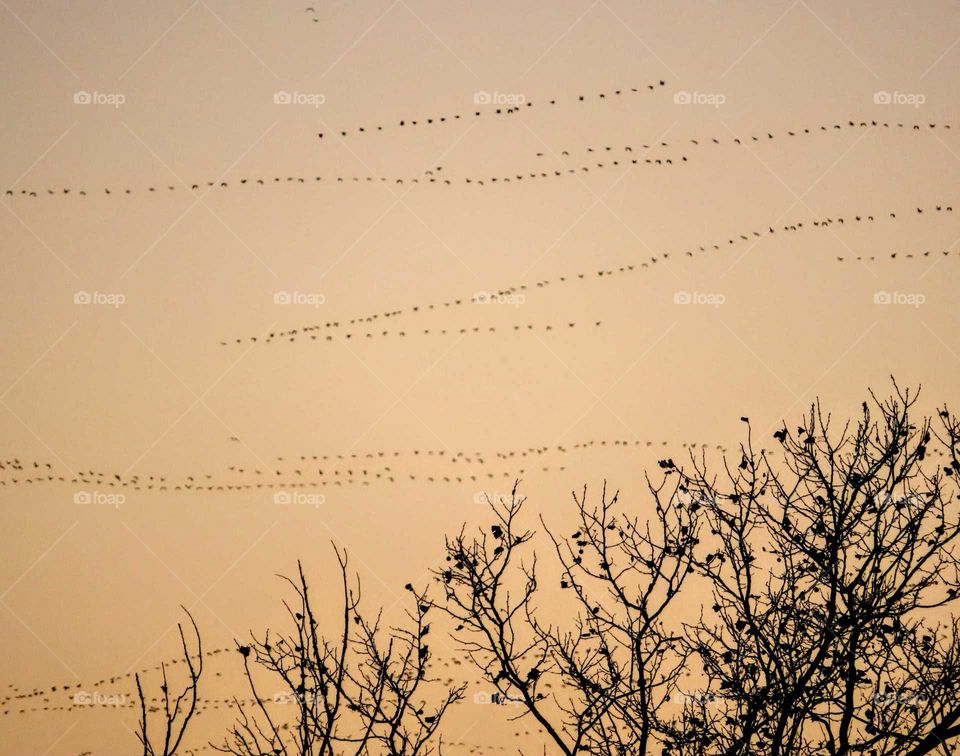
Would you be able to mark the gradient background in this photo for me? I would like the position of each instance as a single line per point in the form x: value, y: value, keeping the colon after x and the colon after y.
x: 89, y: 591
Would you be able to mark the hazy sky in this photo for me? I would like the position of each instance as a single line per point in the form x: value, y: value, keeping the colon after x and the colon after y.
x: 116, y: 305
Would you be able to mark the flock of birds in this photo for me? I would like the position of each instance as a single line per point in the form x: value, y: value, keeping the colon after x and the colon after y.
x: 321, y: 470
x: 429, y: 177
x: 312, y: 331
x: 20, y: 701
x: 494, y: 111
x: 767, y: 136
x: 433, y: 176
x: 338, y: 470
x: 118, y: 691
x: 347, y: 336
x: 333, y: 470
x: 901, y: 256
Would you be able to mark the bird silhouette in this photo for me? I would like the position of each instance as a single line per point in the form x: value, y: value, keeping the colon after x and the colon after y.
x: 419, y: 308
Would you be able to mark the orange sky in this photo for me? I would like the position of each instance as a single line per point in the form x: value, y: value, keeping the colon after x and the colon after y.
x: 137, y: 382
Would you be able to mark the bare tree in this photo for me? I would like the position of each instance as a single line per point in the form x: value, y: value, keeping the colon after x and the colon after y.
x: 177, y: 711
x: 594, y: 683
x: 360, y: 693
x: 625, y: 574
x: 807, y: 594
x: 832, y: 567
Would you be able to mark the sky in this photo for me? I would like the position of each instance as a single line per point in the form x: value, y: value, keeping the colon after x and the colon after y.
x: 559, y: 311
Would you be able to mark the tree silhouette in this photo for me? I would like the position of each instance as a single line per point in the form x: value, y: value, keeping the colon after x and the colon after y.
x: 825, y: 572
x: 613, y: 666
x: 359, y: 693
x: 177, y: 711
x: 830, y: 569
x: 795, y: 601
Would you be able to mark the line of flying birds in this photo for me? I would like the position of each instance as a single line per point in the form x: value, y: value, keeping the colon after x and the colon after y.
x: 605, y: 273
x: 319, y: 470
x: 492, y: 110
x: 434, y: 177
